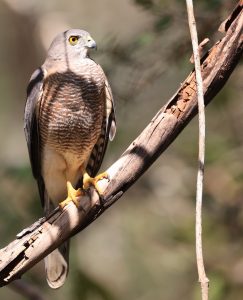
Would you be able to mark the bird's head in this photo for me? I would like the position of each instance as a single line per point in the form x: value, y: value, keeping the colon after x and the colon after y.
x: 79, y: 41
x: 71, y: 45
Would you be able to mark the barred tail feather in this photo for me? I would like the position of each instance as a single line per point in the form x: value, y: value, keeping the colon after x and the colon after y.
x: 57, y: 262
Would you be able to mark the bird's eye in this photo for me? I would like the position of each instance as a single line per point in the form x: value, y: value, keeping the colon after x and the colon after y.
x: 73, y: 40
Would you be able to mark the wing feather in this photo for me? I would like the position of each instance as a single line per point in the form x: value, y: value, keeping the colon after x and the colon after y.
x: 107, y: 132
x: 34, y: 93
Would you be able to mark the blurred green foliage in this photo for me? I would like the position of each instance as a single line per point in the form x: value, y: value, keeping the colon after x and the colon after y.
x: 143, y: 247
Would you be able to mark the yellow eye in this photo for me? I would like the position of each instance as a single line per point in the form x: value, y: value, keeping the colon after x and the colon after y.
x: 73, y: 40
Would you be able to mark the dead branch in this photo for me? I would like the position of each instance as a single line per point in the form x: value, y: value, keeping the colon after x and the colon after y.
x: 38, y: 240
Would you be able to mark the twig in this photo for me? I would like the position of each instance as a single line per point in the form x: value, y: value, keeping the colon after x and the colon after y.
x: 201, y: 152
x: 42, y: 237
x: 27, y: 290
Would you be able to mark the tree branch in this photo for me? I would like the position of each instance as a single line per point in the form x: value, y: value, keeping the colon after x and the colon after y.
x: 42, y: 237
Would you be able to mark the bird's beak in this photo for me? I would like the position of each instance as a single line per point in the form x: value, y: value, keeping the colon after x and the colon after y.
x: 91, y: 44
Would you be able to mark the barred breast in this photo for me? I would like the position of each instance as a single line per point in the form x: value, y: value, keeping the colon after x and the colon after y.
x: 71, y: 111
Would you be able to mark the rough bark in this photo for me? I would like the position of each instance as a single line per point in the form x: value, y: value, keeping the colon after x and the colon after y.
x: 38, y: 240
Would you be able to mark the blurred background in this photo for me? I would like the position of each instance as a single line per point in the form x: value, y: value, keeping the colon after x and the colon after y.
x: 143, y: 246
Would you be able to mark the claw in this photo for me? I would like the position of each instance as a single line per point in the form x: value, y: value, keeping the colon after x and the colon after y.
x: 89, y: 181
x: 72, y: 196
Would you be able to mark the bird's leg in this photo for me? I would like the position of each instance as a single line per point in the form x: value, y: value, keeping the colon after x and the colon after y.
x: 72, y: 196
x: 88, y: 181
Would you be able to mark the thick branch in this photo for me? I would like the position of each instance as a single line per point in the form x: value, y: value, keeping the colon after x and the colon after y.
x: 38, y: 240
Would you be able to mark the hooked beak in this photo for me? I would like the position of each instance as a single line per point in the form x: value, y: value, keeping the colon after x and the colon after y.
x: 91, y: 44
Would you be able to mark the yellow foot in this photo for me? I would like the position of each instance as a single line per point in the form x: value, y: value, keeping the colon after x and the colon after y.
x: 72, y: 196
x: 88, y: 181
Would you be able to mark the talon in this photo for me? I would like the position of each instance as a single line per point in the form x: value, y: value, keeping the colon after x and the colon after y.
x: 88, y: 181
x: 72, y: 196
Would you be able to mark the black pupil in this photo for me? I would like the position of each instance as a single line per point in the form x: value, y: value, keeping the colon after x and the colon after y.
x: 74, y: 39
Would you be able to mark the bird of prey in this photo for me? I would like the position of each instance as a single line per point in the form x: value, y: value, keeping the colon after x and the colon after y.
x: 69, y: 118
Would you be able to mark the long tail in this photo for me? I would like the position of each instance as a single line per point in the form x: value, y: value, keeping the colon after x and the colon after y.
x: 56, y: 266
x: 57, y: 262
